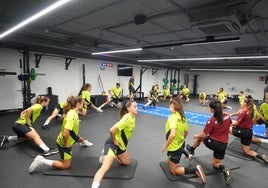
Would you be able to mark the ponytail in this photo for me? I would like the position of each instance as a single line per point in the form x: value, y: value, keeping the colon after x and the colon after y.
x: 40, y: 99
x: 218, y: 113
x: 178, y: 107
x: 67, y: 107
x: 250, y: 106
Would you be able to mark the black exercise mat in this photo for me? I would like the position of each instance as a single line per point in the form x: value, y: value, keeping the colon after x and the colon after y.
x: 87, y: 167
x: 235, y: 149
x: 205, y: 161
x: 263, y: 148
x: 33, y: 150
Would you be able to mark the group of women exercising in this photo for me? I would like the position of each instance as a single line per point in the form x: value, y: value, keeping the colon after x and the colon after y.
x: 215, y: 134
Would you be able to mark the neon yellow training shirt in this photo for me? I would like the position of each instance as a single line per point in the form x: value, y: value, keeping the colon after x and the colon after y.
x: 86, y: 96
x: 264, y: 110
x: 116, y: 91
x: 125, y: 126
x: 70, y: 122
x: 175, y: 121
x: 36, y: 110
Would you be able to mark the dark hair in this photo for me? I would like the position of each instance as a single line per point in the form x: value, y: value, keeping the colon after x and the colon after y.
x: 176, y: 101
x: 242, y: 92
x: 117, y: 84
x: 250, y: 106
x: 40, y: 99
x: 249, y: 97
x: 124, y: 109
x: 217, y: 107
x: 86, y: 86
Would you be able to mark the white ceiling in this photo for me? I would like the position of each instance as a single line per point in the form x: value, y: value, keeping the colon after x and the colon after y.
x: 84, y: 26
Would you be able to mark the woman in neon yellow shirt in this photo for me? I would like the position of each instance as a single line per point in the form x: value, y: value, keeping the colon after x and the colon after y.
x: 67, y: 137
x: 176, y: 132
x: 115, y: 147
x: 86, y: 96
x: 24, y: 129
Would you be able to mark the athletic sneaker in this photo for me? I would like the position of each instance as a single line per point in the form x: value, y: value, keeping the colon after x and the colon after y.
x: 101, y: 156
x: 99, y: 110
x: 50, y: 152
x: 200, y: 173
x: 227, y: 175
x: 188, y: 155
x: 189, y: 149
x: 264, y: 158
x: 3, y: 141
x: 86, y: 143
x: 36, y: 163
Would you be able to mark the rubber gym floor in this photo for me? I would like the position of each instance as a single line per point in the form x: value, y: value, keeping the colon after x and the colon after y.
x: 145, y: 146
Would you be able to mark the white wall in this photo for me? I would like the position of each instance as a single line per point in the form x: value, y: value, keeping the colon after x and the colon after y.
x: 232, y: 83
x: 64, y: 82
x: 10, y: 96
x: 69, y: 82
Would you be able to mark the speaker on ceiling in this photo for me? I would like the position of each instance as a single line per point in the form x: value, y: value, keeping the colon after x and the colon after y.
x: 140, y: 19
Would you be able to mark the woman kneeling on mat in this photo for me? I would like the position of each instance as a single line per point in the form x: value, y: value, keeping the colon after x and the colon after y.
x: 215, y: 136
x: 176, y: 132
x: 87, y: 97
x: 57, y: 112
x: 115, y: 146
x: 65, y: 140
x: 23, y: 127
x: 242, y: 128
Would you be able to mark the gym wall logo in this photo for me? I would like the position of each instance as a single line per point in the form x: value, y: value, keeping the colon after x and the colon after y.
x: 104, y: 64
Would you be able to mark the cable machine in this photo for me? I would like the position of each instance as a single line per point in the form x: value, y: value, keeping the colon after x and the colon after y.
x: 26, y: 87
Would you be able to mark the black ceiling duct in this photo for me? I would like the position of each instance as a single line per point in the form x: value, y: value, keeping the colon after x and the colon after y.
x: 140, y: 19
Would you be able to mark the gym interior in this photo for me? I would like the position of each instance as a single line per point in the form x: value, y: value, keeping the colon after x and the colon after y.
x: 205, y: 45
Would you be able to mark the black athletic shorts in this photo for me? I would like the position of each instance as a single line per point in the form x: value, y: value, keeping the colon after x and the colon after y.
x: 131, y: 90
x: 115, y: 100
x: 175, y: 156
x: 21, y: 130
x: 243, y: 133
x: 65, y: 153
x: 217, y: 147
x: 110, y: 146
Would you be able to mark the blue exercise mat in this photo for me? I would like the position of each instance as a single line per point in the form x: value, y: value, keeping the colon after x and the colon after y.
x: 193, y: 117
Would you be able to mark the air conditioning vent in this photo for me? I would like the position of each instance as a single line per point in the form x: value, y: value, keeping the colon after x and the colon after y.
x: 216, y: 22
x: 216, y: 27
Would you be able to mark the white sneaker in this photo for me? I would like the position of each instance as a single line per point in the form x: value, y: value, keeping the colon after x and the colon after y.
x: 99, y: 110
x: 190, y: 157
x: 86, y: 143
x: 101, y: 156
x: 200, y: 173
x: 111, y: 104
x: 36, y: 163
